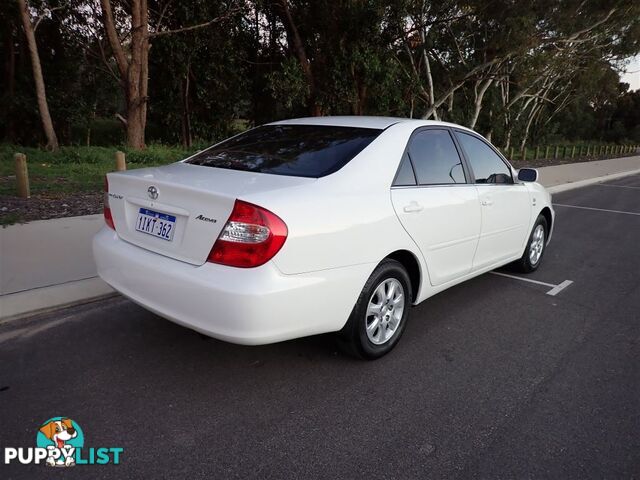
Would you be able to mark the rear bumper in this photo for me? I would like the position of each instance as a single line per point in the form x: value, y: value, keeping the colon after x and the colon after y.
x: 246, y: 306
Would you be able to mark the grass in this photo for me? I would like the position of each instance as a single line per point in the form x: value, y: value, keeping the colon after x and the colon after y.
x: 77, y: 169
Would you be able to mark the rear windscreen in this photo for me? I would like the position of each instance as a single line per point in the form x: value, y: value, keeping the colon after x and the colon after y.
x: 295, y: 150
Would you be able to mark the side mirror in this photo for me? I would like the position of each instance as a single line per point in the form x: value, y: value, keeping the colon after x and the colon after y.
x: 528, y: 175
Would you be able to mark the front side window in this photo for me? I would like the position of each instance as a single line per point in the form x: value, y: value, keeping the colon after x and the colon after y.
x: 295, y: 150
x: 486, y: 164
x: 435, y: 158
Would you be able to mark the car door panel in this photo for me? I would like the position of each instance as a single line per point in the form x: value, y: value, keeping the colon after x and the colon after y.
x: 446, y: 227
x: 505, y: 219
x: 505, y: 205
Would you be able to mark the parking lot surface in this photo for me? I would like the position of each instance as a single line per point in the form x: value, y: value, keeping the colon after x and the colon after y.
x: 494, y: 378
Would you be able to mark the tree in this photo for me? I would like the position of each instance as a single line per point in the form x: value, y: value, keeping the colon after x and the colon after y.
x: 133, y: 69
x: 294, y: 41
x: 38, y: 78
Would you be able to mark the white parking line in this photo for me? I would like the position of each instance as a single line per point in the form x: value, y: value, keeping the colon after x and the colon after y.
x: 555, y: 289
x: 597, y: 209
x: 558, y: 288
x: 613, y: 185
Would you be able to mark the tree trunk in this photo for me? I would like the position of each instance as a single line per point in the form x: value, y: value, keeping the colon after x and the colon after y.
x: 41, y: 94
x: 134, y: 72
x: 489, y: 134
x: 137, y: 75
x: 478, y: 96
x: 186, y: 113
x: 293, y: 36
x: 427, y: 66
x: 534, y: 111
x: 10, y: 77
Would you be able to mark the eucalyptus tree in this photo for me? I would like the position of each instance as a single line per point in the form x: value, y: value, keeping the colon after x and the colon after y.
x: 130, y: 29
x: 30, y: 25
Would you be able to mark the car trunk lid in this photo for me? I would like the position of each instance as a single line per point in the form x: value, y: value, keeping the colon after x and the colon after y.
x: 179, y: 210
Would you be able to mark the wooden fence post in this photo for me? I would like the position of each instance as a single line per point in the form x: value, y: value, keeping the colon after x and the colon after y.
x: 536, y: 154
x: 524, y: 154
x: 511, y: 154
x: 22, y: 175
x: 555, y: 152
x: 546, y: 152
x: 573, y: 151
x: 121, y: 163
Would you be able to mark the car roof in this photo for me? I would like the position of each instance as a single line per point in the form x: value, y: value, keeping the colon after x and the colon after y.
x: 361, y: 121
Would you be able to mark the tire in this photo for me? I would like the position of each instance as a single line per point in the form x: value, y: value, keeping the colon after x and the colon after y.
x: 386, y: 327
x: 536, y: 246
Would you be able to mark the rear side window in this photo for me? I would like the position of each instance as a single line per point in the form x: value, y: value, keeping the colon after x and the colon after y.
x: 486, y: 164
x: 405, y: 176
x: 294, y: 150
x: 435, y: 158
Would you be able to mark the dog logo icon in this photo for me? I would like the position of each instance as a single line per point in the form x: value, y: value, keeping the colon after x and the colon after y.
x: 61, y: 436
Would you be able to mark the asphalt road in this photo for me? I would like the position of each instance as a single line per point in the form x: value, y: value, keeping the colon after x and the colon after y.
x: 492, y: 379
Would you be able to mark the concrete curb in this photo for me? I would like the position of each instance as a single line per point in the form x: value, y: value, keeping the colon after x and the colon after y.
x: 563, y: 187
x: 39, y: 300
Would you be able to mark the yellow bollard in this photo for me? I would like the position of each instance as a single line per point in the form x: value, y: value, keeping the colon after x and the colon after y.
x: 121, y: 163
x: 22, y: 175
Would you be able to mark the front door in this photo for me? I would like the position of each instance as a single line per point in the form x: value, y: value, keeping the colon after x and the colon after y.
x: 505, y: 205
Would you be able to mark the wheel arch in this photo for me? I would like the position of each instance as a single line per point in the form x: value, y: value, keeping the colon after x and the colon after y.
x: 546, y: 213
x: 412, y: 265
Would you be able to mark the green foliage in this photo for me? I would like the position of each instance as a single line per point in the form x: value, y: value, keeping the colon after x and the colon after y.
x: 288, y: 86
x: 364, y: 57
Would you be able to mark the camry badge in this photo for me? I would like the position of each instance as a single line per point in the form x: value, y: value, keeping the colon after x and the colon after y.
x: 153, y: 192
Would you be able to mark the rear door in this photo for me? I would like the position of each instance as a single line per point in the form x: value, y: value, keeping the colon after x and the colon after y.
x: 505, y: 205
x: 436, y: 204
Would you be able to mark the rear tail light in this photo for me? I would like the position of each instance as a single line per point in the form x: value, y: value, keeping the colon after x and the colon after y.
x: 108, y: 218
x: 251, y: 237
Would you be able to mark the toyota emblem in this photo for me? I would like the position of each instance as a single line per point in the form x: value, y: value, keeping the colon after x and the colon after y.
x: 153, y: 192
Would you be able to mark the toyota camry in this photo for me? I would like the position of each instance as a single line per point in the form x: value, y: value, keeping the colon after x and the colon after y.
x: 315, y: 225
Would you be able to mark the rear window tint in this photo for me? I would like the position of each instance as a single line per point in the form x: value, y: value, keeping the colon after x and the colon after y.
x: 294, y: 150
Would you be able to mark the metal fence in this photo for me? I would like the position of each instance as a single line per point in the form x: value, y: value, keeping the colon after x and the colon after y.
x: 549, y: 152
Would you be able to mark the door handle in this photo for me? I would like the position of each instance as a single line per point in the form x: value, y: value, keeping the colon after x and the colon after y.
x: 413, y: 207
x: 487, y: 202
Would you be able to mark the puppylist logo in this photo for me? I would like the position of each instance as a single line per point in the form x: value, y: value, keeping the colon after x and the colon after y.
x: 60, y: 443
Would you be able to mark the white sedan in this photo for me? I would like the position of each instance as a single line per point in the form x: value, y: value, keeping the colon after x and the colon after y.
x: 307, y: 226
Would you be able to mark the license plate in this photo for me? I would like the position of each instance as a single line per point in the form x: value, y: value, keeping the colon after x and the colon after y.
x: 158, y: 224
